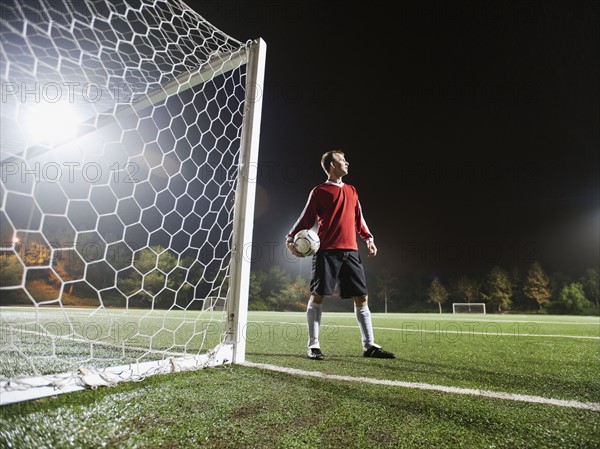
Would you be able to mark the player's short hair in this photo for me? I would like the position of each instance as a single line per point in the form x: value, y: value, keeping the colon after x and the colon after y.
x: 327, y: 158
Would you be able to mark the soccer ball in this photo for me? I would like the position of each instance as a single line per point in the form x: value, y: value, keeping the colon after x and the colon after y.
x: 307, y: 242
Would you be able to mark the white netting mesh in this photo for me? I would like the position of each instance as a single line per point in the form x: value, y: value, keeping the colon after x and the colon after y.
x: 121, y: 128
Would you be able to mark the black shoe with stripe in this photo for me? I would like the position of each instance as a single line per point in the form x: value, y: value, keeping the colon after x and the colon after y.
x: 378, y: 353
x: 315, y: 354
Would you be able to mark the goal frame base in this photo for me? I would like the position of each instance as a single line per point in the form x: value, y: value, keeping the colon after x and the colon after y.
x: 83, y: 378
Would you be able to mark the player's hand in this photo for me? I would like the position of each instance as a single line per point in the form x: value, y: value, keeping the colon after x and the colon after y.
x: 291, y: 246
x: 372, y: 248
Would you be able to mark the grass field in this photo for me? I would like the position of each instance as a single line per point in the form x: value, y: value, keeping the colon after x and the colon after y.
x: 433, y: 395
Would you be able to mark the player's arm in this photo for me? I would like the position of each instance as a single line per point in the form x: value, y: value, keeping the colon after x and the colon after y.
x: 363, y: 230
x: 305, y: 221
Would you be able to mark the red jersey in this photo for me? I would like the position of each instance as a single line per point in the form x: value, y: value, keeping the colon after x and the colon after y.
x: 337, y: 211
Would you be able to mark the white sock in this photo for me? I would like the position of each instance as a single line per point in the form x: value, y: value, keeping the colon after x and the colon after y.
x: 313, y: 319
x: 363, y: 317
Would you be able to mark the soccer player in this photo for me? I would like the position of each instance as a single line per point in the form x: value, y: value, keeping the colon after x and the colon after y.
x: 335, y: 207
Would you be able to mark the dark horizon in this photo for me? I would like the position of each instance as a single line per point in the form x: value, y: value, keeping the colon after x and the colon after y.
x: 471, y: 129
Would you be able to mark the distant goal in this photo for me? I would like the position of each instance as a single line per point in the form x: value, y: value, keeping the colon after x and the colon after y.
x: 129, y: 130
x: 468, y: 307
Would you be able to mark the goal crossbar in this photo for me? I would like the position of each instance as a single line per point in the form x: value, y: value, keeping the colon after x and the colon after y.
x: 219, y: 64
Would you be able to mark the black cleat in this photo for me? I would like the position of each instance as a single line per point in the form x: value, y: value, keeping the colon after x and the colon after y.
x: 378, y: 353
x: 315, y: 354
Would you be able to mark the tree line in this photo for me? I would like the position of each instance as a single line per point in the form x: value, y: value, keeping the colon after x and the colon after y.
x: 501, y: 290
x: 156, y: 277
x: 510, y: 291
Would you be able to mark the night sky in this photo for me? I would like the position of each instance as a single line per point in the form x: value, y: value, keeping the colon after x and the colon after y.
x: 471, y: 128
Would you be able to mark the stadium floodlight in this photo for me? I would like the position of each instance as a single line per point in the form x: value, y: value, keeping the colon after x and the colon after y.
x: 49, y: 122
x: 128, y: 132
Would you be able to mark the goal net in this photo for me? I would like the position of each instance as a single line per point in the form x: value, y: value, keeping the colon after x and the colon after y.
x: 468, y: 307
x: 128, y: 133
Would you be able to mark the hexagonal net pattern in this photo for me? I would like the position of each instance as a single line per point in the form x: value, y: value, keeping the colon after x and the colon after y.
x: 122, y: 125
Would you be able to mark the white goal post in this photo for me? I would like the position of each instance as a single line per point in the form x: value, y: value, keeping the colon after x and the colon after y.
x: 129, y: 132
x: 468, y: 307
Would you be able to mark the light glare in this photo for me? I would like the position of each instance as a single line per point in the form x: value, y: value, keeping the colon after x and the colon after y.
x: 50, y: 123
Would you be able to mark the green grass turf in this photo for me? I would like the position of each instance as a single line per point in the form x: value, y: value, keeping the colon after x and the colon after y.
x: 527, y: 356
x: 239, y: 406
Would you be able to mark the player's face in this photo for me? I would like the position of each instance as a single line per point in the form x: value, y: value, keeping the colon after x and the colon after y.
x: 340, y: 165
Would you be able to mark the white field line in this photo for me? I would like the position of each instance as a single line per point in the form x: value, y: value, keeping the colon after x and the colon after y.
x: 492, y: 333
x: 499, y: 333
x: 117, y: 313
x: 450, y: 317
x: 594, y: 406
x: 586, y: 321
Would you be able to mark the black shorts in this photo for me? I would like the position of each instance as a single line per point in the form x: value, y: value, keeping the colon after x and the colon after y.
x: 333, y: 265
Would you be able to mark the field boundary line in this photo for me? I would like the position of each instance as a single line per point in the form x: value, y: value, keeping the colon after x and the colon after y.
x: 452, y: 317
x: 491, y: 334
x: 594, y: 406
x: 447, y: 331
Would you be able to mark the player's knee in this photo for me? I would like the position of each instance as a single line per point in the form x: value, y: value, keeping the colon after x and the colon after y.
x: 360, y: 301
x: 317, y: 299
